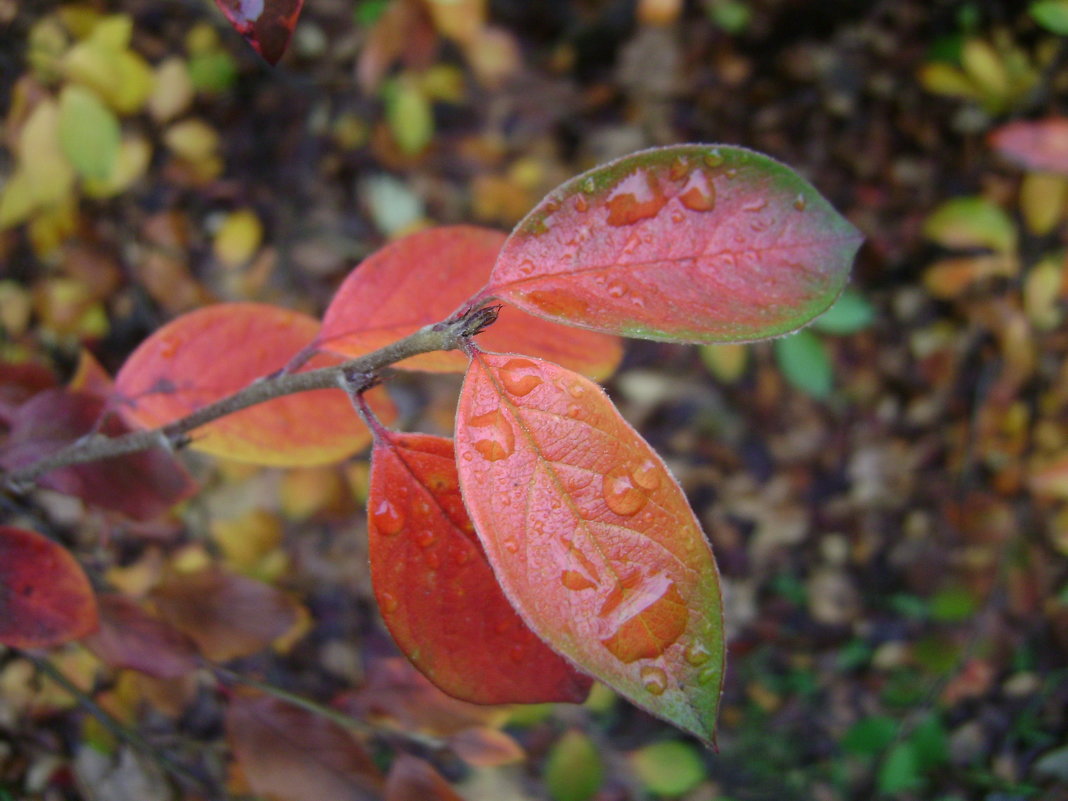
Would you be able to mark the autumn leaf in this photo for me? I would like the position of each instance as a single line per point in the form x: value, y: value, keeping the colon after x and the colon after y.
x: 414, y: 779
x: 422, y: 278
x: 690, y: 243
x: 267, y: 25
x: 437, y: 592
x: 129, y: 637
x: 212, y: 352
x: 45, y: 597
x: 1034, y: 144
x: 590, y: 537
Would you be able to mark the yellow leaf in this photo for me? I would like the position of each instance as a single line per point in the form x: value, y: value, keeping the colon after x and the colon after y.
x: 135, y: 153
x: 92, y: 65
x: 725, y: 362
x: 50, y: 175
x: 121, y: 77
x: 306, y: 491
x: 457, y: 19
x: 985, y: 67
x: 1042, y: 291
x: 173, y: 92
x: 238, y: 238
x: 246, y: 540
x: 79, y: 19
x: 52, y: 226
x: 944, y: 79
x: 193, y: 140
x: 493, y: 55
x: 17, y: 201
x: 136, y: 84
x: 1043, y: 198
x: 16, y: 305
x: 411, y: 120
x: 113, y: 32
x: 45, y: 46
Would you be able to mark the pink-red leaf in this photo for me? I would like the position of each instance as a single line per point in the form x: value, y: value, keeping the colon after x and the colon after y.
x: 437, y: 592
x: 267, y: 25
x: 45, y: 597
x: 139, y: 485
x: 690, y: 243
x: 422, y: 278
x: 215, y: 351
x: 1034, y: 144
x: 590, y: 537
x: 414, y: 779
x: 129, y: 637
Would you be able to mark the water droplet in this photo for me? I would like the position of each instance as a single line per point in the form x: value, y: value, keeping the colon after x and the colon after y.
x: 492, y: 437
x: 679, y: 169
x: 620, y: 492
x: 581, y: 204
x: 527, y: 267
x: 468, y: 456
x: 575, y: 389
x: 589, y: 185
x: 616, y: 289
x: 511, y: 546
x: 388, y: 602
x: 714, y: 158
x: 647, y: 475
x: 800, y: 202
x: 731, y: 173
x: 654, y: 679
x: 386, y: 519
x: 755, y: 205
x: 708, y: 675
x: 696, y: 654
x: 573, y: 580
x: 167, y: 348
x: 574, y: 412
x: 677, y: 217
x: 520, y: 376
x: 461, y: 557
x: 699, y: 194
x: 645, y: 615
x: 637, y: 197
x: 424, y: 538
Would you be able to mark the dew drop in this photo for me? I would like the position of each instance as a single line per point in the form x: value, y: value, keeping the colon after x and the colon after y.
x: 575, y: 581
x: 581, y: 204
x: 755, y: 205
x: 708, y: 675
x: 511, y: 546
x: 654, y: 680
x: 468, y: 456
x: 645, y: 614
x: 699, y: 194
x: 696, y: 654
x: 731, y: 173
x: 574, y: 412
x: 388, y: 603
x: 714, y: 158
x: 616, y: 290
x: 621, y: 493
x: 527, y: 267
x: 520, y: 376
x: 679, y: 169
x: 800, y: 202
x: 386, y: 518
x: 461, y: 557
x: 637, y: 197
x: 589, y: 185
x: 424, y: 538
x: 492, y: 436
x: 167, y: 348
x: 647, y: 475
x: 677, y: 217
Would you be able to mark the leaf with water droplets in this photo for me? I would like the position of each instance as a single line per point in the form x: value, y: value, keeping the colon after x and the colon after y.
x: 690, y: 243
x: 422, y: 278
x: 436, y: 591
x: 267, y: 25
x: 590, y: 537
x: 212, y: 352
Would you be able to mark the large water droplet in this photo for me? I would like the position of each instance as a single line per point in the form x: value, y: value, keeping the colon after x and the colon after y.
x: 581, y: 204
x: 616, y: 289
x: 637, y: 197
x: 714, y: 158
x: 492, y: 436
x: 647, y: 475
x: 621, y: 493
x: 520, y: 376
x: 645, y: 614
x: 654, y: 679
x: 696, y: 654
x: 800, y: 202
x: 388, y: 602
x: 386, y: 518
x: 679, y: 169
x: 575, y: 581
x: 699, y: 194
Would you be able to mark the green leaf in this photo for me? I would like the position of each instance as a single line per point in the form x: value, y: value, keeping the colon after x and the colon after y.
x: 1051, y: 15
x: 573, y: 769
x: 669, y: 768
x: 805, y: 363
x: 870, y: 736
x: 89, y: 132
x: 953, y: 604
x: 849, y: 314
x: 971, y: 222
x: 930, y: 744
x: 900, y: 772
x: 408, y: 112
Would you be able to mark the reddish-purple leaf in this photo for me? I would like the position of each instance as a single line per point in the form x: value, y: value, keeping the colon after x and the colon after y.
x: 1034, y: 144
x: 690, y: 243
x: 267, y: 25
x: 45, y: 597
x: 437, y: 592
x: 129, y: 637
x: 590, y: 537
x: 414, y: 779
x: 422, y: 278
x: 140, y: 485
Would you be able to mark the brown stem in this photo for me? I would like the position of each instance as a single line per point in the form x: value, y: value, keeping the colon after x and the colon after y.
x: 448, y: 335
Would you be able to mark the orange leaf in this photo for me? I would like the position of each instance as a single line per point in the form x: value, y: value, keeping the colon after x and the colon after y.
x: 421, y: 279
x: 436, y: 591
x: 45, y: 598
x: 413, y: 779
x: 590, y: 537
x: 213, y: 352
x: 289, y: 754
x: 483, y: 746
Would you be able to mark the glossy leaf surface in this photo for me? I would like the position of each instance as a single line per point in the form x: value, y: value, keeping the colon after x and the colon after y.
x: 437, y: 592
x: 590, y: 537
x: 45, y: 597
x: 267, y: 25
x: 213, y: 352
x: 1035, y: 144
x: 691, y: 243
x: 421, y: 279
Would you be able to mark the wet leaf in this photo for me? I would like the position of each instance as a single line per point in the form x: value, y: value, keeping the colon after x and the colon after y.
x: 289, y: 754
x: 436, y: 591
x: 267, y: 25
x: 88, y: 132
x: 226, y: 615
x: 421, y: 279
x: 129, y: 637
x: 212, y: 352
x: 140, y: 485
x: 1035, y: 144
x: 805, y: 363
x: 414, y: 779
x: 574, y: 770
x: 692, y: 243
x: 45, y: 598
x: 590, y: 537
x: 670, y: 768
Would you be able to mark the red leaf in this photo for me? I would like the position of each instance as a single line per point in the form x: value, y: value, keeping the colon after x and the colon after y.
x: 289, y: 754
x: 213, y: 352
x: 267, y: 25
x: 421, y: 279
x: 436, y: 591
x: 20, y: 382
x: 45, y: 598
x: 140, y: 485
x: 414, y: 779
x: 1034, y: 144
x: 590, y: 537
x: 226, y: 615
x: 691, y: 243
x: 129, y: 637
